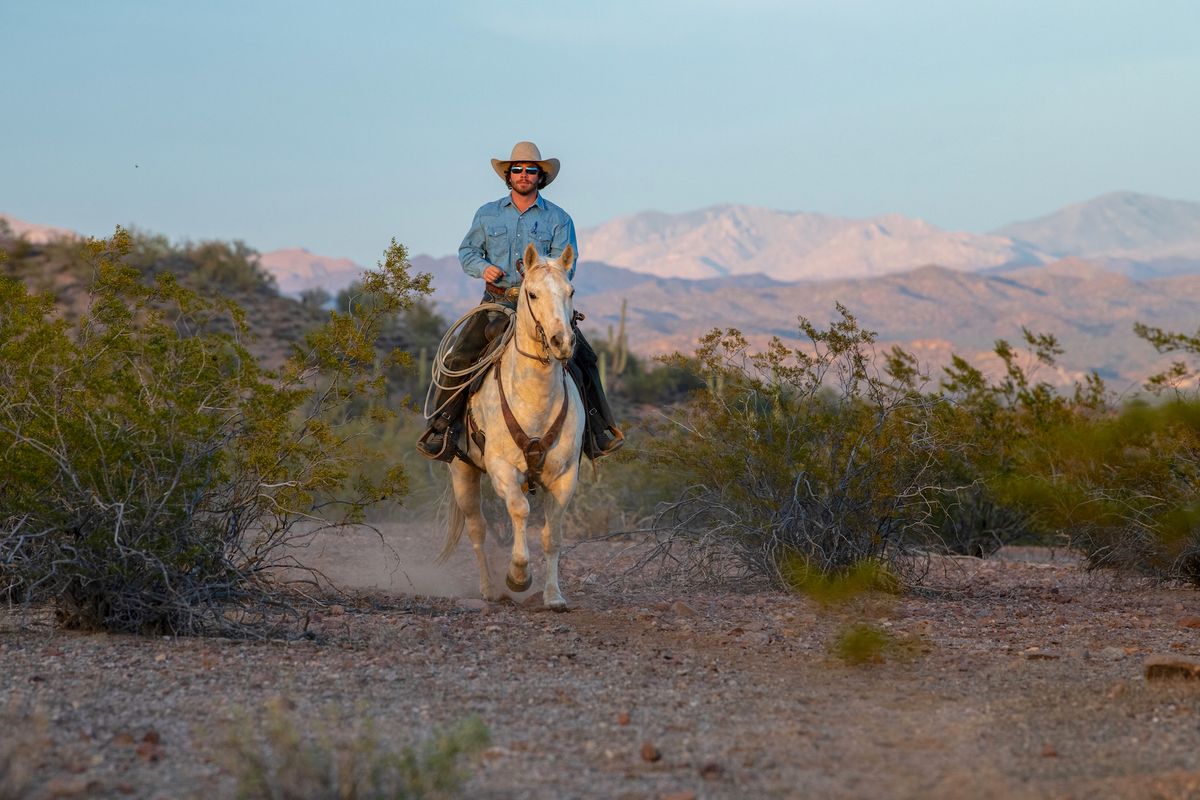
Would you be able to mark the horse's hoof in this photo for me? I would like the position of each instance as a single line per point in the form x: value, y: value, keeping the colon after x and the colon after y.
x: 518, y: 587
x: 558, y: 606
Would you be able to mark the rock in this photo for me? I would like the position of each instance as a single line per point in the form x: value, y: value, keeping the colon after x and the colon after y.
x: 711, y: 771
x: 1162, y: 666
x: 1189, y: 622
x: 1112, y: 653
x: 650, y: 752
x: 1042, y: 655
x: 149, y: 750
x: 684, y: 794
x: 1049, y: 751
x: 152, y: 737
x: 534, y: 600
x: 682, y: 609
x: 623, y: 718
x: 337, y: 611
x: 68, y: 786
x: 472, y: 604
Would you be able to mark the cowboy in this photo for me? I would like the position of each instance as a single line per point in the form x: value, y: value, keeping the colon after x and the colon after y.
x: 492, y: 251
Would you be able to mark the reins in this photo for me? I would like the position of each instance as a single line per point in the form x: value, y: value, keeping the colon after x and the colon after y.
x: 537, y: 326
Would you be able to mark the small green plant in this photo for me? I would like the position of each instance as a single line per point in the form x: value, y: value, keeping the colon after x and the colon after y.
x: 840, y: 586
x: 862, y: 643
x: 344, y: 758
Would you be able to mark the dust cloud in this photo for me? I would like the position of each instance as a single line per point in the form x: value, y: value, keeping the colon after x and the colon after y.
x: 398, y: 557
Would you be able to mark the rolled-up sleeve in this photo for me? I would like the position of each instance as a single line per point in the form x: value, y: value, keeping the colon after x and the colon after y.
x: 564, y: 234
x: 470, y: 252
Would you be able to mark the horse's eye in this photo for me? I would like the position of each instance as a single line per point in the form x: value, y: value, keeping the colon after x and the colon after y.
x: 532, y: 296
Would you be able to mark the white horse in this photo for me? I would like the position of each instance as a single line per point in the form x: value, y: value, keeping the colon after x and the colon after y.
x: 545, y: 423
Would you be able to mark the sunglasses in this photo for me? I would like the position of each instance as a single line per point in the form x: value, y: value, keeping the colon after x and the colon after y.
x: 526, y: 170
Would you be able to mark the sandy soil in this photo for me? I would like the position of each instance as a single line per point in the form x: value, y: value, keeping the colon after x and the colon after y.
x: 1019, y: 676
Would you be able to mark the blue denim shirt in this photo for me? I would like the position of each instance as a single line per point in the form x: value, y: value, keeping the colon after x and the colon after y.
x: 499, y: 233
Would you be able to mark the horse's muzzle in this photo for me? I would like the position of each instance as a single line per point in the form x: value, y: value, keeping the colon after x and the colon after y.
x: 562, y: 348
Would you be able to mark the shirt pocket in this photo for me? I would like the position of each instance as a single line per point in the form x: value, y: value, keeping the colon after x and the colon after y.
x: 543, y: 239
x: 497, y: 244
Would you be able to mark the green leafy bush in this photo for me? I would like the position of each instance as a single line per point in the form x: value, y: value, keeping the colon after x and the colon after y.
x: 152, y: 474
x: 991, y: 422
x: 809, y: 453
x: 1122, y: 487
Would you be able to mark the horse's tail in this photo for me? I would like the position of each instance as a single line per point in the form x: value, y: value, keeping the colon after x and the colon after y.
x: 453, y: 530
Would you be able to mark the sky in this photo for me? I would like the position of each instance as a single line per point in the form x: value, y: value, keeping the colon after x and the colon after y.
x: 339, y: 126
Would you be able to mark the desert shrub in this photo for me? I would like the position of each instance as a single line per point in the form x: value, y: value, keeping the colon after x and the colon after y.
x: 810, y: 453
x: 1181, y: 377
x: 1122, y: 487
x: 1119, y: 482
x: 415, y: 329
x: 152, y: 474
x: 344, y: 758
x: 993, y: 423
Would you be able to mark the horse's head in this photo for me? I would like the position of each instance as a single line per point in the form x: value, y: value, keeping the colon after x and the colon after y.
x: 546, y: 297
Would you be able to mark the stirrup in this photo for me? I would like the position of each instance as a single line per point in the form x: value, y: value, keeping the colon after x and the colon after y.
x: 617, y: 442
x: 446, y: 452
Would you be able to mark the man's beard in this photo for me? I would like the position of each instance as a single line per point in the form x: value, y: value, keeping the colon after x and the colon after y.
x: 525, y: 192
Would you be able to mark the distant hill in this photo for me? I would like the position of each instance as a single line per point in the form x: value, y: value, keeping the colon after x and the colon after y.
x: 296, y: 269
x: 933, y: 311
x: 731, y: 240
x: 32, y: 232
x: 456, y: 293
x: 1129, y: 258
x: 1138, y: 234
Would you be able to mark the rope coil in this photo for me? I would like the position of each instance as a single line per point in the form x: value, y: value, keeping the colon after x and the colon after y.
x: 445, y: 378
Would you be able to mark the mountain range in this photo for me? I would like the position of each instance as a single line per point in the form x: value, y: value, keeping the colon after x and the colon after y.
x: 1084, y: 273
x: 790, y: 246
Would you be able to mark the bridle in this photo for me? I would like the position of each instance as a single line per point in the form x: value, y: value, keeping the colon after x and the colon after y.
x: 537, y: 326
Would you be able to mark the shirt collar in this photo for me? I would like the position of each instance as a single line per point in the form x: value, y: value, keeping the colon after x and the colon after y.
x: 507, y: 201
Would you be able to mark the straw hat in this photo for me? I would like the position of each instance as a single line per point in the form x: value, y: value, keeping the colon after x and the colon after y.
x: 527, y: 151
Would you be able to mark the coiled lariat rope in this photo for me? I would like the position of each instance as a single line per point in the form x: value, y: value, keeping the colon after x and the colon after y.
x: 459, y: 380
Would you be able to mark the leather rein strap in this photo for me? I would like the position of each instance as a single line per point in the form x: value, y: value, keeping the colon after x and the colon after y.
x: 534, y: 448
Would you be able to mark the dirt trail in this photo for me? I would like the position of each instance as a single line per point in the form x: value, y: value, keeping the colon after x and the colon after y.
x: 1019, y: 678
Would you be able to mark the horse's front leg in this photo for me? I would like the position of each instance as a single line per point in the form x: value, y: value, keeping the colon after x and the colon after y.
x: 465, y: 481
x: 507, y: 481
x: 558, y: 494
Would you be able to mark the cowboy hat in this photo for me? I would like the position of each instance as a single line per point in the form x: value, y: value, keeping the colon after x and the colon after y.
x: 527, y: 151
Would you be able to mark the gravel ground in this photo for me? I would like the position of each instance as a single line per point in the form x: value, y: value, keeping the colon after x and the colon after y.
x: 1018, y: 676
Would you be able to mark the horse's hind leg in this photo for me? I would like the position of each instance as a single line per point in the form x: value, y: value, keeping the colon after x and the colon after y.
x: 467, y: 494
x: 556, y: 501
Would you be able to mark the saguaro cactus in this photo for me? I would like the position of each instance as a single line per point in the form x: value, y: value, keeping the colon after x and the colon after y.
x: 618, y: 347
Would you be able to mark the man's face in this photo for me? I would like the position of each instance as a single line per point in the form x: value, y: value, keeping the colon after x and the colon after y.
x: 524, y: 182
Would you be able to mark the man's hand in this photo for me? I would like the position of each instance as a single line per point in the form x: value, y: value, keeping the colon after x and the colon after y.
x: 493, y: 274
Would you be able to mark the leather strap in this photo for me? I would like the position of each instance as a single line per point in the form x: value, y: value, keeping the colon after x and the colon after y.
x: 535, y: 448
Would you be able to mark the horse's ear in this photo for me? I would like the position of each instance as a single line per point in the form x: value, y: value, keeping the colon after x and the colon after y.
x: 530, y: 257
x: 567, y: 258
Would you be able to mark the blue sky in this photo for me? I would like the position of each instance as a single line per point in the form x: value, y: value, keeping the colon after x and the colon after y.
x: 339, y: 126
